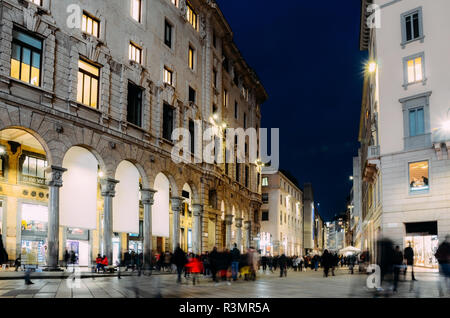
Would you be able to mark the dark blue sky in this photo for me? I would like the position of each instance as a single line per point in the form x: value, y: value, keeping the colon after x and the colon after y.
x: 307, y: 56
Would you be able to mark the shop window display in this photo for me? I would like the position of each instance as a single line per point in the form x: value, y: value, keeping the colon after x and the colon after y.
x: 419, y: 176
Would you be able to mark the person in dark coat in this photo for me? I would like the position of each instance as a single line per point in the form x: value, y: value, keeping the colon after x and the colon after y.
x: 409, y: 256
x: 398, y: 263
x: 180, y: 260
x: 3, y: 253
x: 282, y: 262
x: 443, y: 257
x: 213, y: 259
x: 66, y: 258
x: 235, y: 258
x: 73, y: 258
x: 326, y: 262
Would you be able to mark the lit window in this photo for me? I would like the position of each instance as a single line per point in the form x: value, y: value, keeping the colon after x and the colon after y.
x: 265, y: 182
x: 136, y: 9
x: 26, y: 58
x: 191, y: 16
x: 37, y: 2
x: 225, y: 98
x: 33, y: 169
x: 135, y: 53
x: 191, y: 57
x: 90, y: 25
x: 168, y: 76
x: 415, y: 71
x: 88, y: 78
x: 418, y: 176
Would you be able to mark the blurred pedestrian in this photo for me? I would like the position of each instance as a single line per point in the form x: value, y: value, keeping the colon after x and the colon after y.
x: 326, y: 262
x: 235, y: 257
x: 3, y: 253
x: 282, y: 262
x: 409, y: 256
x: 398, y: 264
x: 180, y: 260
x: 443, y: 257
x: 213, y: 259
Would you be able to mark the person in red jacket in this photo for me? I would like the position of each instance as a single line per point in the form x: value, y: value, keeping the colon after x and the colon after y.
x: 195, y: 267
x: 104, y: 263
x: 98, y: 262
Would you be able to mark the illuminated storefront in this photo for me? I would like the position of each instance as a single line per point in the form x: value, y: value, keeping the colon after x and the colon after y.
x: 423, y: 238
x: 265, y: 244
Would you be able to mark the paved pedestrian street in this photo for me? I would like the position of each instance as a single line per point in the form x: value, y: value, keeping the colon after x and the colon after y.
x: 309, y: 284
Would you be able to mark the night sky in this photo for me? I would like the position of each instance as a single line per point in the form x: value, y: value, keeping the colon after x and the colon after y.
x: 307, y: 55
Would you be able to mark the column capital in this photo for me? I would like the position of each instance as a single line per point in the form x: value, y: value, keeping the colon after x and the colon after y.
x: 197, y: 209
x: 247, y: 224
x: 176, y: 203
x: 55, y: 176
x: 229, y: 219
x: 108, y: 187
x: 238, y: 222
x: 147, y: 196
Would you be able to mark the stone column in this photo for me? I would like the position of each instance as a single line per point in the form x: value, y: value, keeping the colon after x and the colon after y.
x: 228, y: 222
x: 239, y: 232
x: 147, y: 201
x: 176, y: 209
x: 248, y: 234
x: 54, y: 183
x: 108, y: 186
x: 197, y: 227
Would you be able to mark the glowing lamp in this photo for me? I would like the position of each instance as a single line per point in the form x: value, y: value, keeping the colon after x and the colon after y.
x: 372, y: 67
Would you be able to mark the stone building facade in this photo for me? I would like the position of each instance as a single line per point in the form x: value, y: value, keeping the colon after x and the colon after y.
x: 84, y: 86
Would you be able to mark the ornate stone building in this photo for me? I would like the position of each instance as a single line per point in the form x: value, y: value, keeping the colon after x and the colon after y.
x: 89, y: 96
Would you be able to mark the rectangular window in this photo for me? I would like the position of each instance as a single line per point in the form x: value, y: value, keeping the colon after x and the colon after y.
x: 415, y: 67
x: 192, y: 95
x: 419, y: 176
x: 265, y: 182
x: 247, y: 172
x: 168, y: 76
x: 245, y: 121
x: 33, y: 169
x: 412, y: 25
x: 225, y: 98
x: 258, y: 179
x: 192, y: 135
x: 168, y: 34
x: 90, y: 25
x: 136, y: 10
x: 214, y: 39
x: 235, y: 110
x: 225, y: 64
x: 88, y: 79
x: 265, y: 216
x: 135, y: 53
x: 26, y: 58
x: 191, y: 57
x: 191, y: 15
x: 416, y: 122
x: 265, y: 198
x: 238, y: 172
x: 167, y: 122
x: 214, y: 78
x: 134, y: 109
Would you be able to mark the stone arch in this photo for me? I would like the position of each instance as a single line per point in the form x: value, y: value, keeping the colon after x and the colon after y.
x: 195, y: 196
x: 107, y: 169
x: 142, y: 172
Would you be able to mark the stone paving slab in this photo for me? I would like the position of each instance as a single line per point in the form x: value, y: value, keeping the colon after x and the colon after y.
x: 309, y: 284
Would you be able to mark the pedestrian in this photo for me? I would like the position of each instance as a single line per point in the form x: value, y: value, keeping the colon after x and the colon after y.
x: 180, y: 260
x: 326, y: 262
x: 351, y: 259
x: 98, y: 263
x: 73, y: 258
x: 443, y: 257
x: 398, y: 264
x: 104, y: 263
x: 409, y: 256
x: 282, y: 262
x: 300, y: 264
x: 213, y: 259
x: 3, y: 253
x: 235, y: 257
x: 195, y: 267
x: 66, y: 258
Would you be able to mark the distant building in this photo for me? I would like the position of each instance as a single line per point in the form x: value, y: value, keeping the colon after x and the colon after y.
x: 281, y: 220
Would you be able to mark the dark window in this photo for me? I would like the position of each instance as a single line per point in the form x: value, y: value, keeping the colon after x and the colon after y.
x: 412, y: 26
x: 258, y: 178
x: 245, y: 121
x: 214, y: 39
x: 215, y: 78
x: 192, y: 95
x: 192, y: 135
x: 236, y: 79
x: 225, y: 64
x: 26, y: 58
x: 238, y: 172
x: 167, y: 122
x: 134, y: 109
x: 246, y: 176
x: 212, y: 198
x: 265, y: 216
x: 236, y: 110
x: 214, y: 109
x: 168, y: 34
x: 226, y: 168
x: 265, y: 198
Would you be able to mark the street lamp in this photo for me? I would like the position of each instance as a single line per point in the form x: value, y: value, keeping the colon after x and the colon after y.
x: 372, y: 67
